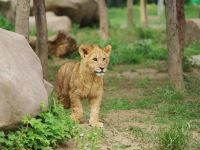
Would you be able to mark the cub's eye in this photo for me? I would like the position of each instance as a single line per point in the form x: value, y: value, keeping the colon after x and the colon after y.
x: 95, y: 59
x: 104, y: 59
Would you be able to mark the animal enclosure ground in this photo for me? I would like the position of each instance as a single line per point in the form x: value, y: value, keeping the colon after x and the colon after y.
x: 138, y: 101
x: 138, y: 104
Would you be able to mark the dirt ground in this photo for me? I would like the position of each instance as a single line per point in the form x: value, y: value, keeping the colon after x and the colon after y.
x: 131, y: 129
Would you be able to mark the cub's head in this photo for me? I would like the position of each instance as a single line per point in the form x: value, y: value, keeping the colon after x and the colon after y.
x: 94, y: 58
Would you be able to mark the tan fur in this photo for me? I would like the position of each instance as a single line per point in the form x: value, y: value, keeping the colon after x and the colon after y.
x: 79, y: 80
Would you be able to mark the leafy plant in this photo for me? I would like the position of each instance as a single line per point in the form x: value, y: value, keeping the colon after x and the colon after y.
x: 42, y: 132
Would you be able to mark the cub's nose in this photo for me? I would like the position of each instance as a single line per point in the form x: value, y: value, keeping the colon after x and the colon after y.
x: 101, y: 68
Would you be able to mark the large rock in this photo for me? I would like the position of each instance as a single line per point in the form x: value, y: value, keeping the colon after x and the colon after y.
x: 54, y: 23
x: 22, y: 88
x: 49, y: 87
x: 80, y: 11
x: 83, y: 12
x: 195, y: 60
x: 192, y: 31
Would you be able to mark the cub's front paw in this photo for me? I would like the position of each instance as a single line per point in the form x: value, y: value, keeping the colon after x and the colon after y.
x: 96, y: 124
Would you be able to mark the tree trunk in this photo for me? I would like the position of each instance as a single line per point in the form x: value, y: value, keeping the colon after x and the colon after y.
x: 41, y: 29
x: 143, y: 13
x: 160, y: 7
x: 175, y: 41
x: 103, y: 26
x: 130, y: 12
x: 181, y: 25
x: 22, y: 17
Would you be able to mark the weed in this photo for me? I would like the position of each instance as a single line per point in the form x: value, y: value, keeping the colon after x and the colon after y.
x: 192, y: 85
x: 89, y: 139
x: 174, y: 138
x: 169, y: 94
x: 142, y: 83
x: 136, y: 131
x: 145, y: 103
x: 180, y: 111
x: 117, y: 104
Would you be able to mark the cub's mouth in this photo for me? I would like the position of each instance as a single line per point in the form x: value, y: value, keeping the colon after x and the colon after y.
x: 101, y: 73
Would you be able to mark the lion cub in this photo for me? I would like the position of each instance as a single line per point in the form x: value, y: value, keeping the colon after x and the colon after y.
x: 84, y: 79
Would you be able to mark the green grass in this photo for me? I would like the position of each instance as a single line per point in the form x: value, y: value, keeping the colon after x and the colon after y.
x: 126, y: 52
x: 179, y: 112
x: 192, y: 86
x: 191, y: 11
x: 136, y: 131
x: 132, y: 48
x: 146, y: 103
x: 142, y: 83
x: 192, y: 49
x: 169, y: 94
x: 34, y: 33
x: 5, y: 24
x: 133, y: 45
x: 174, y: 138
x: 88, y: 138
x: 117, y: 104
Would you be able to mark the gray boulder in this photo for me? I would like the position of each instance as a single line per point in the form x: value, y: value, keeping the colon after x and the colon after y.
x: 195, y: 60
x: 22, y: 88
x: 54, y: 23
x: 83, y: 12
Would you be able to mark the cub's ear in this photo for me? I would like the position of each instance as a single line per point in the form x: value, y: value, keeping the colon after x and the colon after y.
x: 83, y: 50
x: 107, y: 49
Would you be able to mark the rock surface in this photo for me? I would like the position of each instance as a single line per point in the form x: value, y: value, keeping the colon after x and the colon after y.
x: 80, y: 11
x: 84, y: 12
x: 192, y: 31
x: 195, y: 60
x: 22, y: 88
x: 49, y: 87
x: 54, y: 23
